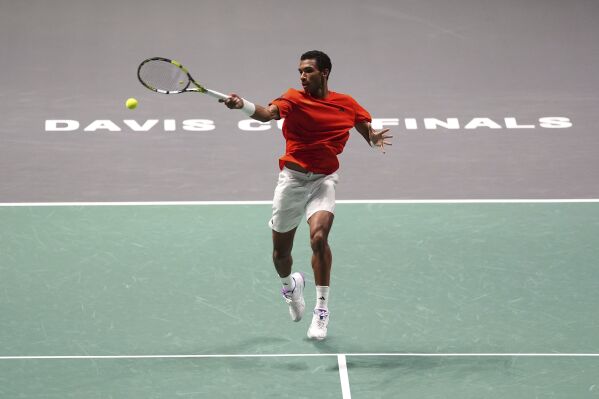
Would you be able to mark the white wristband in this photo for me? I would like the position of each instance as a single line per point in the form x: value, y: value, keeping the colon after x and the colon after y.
x: 248, y: 107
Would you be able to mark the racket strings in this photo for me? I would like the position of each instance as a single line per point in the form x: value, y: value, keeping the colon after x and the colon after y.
x: 163, y: 76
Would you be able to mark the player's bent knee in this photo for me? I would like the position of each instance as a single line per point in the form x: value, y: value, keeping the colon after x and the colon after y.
x: 318, y: 241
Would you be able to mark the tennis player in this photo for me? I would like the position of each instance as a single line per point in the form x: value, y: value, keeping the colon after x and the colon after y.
x: 316, y: 129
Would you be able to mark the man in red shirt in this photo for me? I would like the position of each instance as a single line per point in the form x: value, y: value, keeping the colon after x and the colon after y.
x: 316, y: 129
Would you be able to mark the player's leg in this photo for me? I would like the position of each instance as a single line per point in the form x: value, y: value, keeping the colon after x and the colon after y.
x: 320, y: 212
x: 282, y: 244
x: 322, y: 259
x: 288, y: 208
x: 320, y: 225
x: 293, y: 283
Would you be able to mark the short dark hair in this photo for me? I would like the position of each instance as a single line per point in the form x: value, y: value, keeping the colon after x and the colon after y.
x: 322, y: 60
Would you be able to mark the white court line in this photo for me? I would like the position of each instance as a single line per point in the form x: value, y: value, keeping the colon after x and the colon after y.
x: 373, y: 201
x: 343, y: 377
x: 267, y: 355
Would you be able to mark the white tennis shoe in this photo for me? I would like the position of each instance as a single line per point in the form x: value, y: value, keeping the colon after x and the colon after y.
x: 318, y: 328
x: 295, y: 297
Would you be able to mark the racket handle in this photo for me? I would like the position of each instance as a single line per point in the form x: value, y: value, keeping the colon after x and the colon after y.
x: 216, y: 94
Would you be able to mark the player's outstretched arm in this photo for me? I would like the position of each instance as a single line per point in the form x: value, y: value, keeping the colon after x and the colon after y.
x: 372, y: 137
x: 258, y: 112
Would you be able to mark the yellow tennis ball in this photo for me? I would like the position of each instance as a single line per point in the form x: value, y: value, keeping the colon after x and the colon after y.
x: 131, y: 103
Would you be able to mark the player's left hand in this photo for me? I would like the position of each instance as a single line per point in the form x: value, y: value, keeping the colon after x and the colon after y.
x: 379, y: 139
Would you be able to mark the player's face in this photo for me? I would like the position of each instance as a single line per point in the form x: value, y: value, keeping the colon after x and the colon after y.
x: 311, y: 78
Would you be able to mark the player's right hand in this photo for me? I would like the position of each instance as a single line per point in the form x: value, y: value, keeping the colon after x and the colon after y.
x: 233, y: 102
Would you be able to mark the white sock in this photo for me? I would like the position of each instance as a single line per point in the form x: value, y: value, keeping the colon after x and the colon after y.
x: 322, y: 297
x: 288, y: 283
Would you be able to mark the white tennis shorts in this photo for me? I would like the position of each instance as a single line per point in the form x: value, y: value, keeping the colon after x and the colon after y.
x: 298, y: 194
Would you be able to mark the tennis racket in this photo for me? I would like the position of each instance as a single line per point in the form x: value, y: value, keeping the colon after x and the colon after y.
x: 170, y: 77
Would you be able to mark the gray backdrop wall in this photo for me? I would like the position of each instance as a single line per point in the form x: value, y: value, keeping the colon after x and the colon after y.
x: 479, y: 62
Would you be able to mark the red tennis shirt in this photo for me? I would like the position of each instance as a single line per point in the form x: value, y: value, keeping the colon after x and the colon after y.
x: 316, y: 130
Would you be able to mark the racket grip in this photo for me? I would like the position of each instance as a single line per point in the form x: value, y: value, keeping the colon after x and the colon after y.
x: 216, y: 94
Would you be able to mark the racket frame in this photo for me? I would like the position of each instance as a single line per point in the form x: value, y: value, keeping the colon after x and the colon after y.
x: 197, y: 88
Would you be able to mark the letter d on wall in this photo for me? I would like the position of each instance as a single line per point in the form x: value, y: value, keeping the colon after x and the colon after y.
x: 61, y: 125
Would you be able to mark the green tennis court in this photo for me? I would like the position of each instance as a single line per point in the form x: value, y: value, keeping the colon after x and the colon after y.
x: 429, y: 300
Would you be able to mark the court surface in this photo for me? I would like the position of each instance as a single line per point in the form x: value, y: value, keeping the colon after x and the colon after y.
x: 429, y: 299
